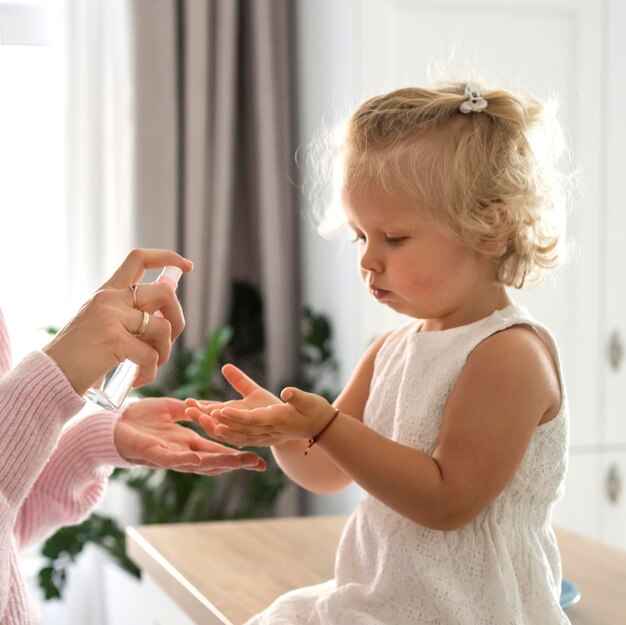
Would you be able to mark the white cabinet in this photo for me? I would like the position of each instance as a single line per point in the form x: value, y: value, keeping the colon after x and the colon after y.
x: 571, y: 48
x: 402, y: 37
x: 614, y: 498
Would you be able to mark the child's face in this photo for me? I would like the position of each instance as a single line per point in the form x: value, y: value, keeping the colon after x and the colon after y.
x: 409, y: 264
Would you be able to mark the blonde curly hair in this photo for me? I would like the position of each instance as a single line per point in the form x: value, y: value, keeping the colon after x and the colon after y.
x: 490, y: 178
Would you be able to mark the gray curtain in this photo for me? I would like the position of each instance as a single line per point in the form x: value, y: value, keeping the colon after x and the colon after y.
x: 214, y: 157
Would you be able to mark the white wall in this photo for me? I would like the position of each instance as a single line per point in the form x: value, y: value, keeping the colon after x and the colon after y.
x: 329, y: 69
x: 326, y: 60
x: 326, y: 74
x: 400, y: 37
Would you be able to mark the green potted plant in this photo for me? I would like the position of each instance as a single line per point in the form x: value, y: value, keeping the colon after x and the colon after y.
x: 171, y: 497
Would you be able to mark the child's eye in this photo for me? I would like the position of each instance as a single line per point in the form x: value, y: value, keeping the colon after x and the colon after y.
x: 358, y: 238
x: 395, y: 240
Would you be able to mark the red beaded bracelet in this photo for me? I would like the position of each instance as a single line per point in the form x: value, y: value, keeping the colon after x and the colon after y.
x: 314, y: 440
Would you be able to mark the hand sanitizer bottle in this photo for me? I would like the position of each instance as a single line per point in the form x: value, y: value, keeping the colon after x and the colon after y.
x: 119, y: 380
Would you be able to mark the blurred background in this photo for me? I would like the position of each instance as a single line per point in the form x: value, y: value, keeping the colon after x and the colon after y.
x: 184, y: 123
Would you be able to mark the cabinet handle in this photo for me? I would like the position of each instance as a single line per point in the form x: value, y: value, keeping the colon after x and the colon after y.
x: 616, y: 349
x: 613, y: 483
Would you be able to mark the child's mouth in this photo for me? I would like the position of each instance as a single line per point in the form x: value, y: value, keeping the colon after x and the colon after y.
x: 378, y: 293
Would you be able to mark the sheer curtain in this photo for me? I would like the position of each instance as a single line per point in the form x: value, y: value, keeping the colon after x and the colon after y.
x: 32, y: 207
x: 180, y: 117
x: 179, y: 134
x: 100, y: 140
x: 213, y: 157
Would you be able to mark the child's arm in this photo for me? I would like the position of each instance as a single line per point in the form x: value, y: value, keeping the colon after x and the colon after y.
x: 319, y: 473
x: 508, y: 386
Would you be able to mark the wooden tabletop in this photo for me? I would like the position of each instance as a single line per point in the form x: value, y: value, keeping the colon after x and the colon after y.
x: 221, y: 573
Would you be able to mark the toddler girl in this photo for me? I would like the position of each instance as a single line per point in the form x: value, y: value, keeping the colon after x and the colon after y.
x: 455, y: 424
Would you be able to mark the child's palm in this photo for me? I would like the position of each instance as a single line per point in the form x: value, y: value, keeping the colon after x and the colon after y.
x: 259, y: 418
x: 252, y: 396
x: 301, y: 416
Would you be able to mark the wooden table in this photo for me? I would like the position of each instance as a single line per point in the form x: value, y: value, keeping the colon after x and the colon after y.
x: 223, y: 572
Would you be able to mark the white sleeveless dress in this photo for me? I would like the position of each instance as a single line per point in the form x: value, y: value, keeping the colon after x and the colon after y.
x: 502, y: 568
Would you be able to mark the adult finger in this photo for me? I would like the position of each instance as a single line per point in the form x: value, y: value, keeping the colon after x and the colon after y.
x: 237, y: 460
x: 160, y: 297
x: 250, y: 460
x: 140, y: 259
x: 219, y: 471
x: 158, y: 335
x: 168, y: 459
x: 219, y: 457
x: 246, y: 459
x: 156, y: 332
x: 144, y: 356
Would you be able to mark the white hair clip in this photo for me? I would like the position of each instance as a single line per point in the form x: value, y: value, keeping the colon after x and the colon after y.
x: 475, y: 103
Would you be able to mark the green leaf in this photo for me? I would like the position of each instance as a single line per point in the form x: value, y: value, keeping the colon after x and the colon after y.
x: 51, y: 582
x: 205, y: 362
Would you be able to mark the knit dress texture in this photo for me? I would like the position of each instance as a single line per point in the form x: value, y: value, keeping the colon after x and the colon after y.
x: 502, y: 568
x: 52, y: 472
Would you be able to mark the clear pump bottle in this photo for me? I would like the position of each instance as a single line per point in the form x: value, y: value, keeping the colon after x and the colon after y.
x: 119, y: 380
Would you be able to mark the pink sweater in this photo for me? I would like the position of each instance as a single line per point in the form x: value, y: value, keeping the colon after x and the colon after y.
x: 49, y: 475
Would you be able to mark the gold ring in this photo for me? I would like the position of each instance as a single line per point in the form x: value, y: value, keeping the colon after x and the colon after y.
x: 133, y: 290
x: 144, y: 324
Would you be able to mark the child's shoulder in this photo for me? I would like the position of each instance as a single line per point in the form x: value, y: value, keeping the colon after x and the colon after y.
x: 519, y: 343
x: 518, y: 355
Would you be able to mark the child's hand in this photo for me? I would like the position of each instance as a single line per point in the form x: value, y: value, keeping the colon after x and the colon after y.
x: 303, y: 416
x: 253, y: 396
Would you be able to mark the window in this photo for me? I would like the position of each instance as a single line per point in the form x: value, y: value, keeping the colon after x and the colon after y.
x: 32, y: 213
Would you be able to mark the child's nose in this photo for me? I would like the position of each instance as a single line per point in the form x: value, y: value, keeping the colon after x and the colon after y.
x: 370, y: 260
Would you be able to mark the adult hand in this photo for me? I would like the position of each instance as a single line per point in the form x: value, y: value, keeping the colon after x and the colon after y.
x: 102, y: 335
x: 148, y: 434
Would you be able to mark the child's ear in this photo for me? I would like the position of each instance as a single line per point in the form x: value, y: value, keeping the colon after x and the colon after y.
x: 500, y: 228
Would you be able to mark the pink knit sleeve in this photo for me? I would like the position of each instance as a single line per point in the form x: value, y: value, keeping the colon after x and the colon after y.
x: 48, y: 476
x: 74, y: 479
x: 35, y: 401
